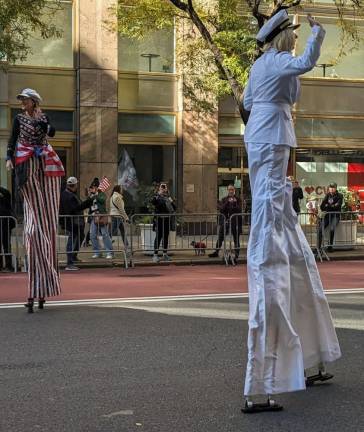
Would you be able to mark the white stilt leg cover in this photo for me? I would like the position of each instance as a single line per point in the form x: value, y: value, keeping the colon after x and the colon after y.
x: 290, y: 325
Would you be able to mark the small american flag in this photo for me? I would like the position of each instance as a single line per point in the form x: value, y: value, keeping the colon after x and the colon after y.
x: 104, y: 184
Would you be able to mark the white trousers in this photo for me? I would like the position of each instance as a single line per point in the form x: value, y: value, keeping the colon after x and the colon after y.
x: 290, y: 325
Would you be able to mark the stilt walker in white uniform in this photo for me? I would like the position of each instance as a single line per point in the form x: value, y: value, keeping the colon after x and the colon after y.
x: 290, y: 325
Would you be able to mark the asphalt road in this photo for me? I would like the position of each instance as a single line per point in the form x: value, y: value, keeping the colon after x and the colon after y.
x: 160, y: 366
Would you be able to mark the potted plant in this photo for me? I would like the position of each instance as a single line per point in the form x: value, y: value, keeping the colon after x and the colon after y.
x: 145, y: 220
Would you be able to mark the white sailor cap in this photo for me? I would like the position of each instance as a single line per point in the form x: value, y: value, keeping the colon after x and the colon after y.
x: 29, y: 93
x: 276, y: 24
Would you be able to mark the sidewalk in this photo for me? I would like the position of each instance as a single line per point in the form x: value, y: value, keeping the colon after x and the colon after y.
x: 190, y: 258
x: 112, y: 283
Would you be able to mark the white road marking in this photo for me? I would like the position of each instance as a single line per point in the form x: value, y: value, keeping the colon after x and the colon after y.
x: 118, y: 413
x: 92, y: 302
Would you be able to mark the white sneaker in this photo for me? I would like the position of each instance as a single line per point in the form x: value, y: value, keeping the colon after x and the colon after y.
x: 72, y: 267
x: 109, y: 256
x: 166, y: 257
x: 95, y: 256
x: 155, y: 259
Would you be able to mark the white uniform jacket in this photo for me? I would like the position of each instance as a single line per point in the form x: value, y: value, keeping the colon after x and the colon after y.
x: 274, y: 86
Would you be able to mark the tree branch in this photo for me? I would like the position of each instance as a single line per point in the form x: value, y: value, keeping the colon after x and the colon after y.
x: 218, y: 56
x: 180, y: 5
x: 279, y: 6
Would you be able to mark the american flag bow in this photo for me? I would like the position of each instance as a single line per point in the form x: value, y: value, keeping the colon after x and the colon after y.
x: 104, y: 184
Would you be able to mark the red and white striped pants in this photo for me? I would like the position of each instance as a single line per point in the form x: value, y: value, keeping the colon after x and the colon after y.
x: 41, y: 206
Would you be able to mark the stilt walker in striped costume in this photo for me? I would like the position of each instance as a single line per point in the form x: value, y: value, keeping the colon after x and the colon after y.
x: 38, y: 172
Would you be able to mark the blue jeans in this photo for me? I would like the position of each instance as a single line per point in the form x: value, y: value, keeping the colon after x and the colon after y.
x: 105, y: 237
x: 75, y: 238
x: 118, y: 225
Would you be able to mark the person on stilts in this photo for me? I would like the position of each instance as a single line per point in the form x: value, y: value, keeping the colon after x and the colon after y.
x: 290, y: 325
x: 38, y: 172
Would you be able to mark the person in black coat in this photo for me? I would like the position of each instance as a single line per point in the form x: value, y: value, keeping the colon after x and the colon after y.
x: 331, y: 205
x: 229, y: 206
x: 162, y: 225
x: 72, y: 220
x: 6, y: 225
x: 297, y: 195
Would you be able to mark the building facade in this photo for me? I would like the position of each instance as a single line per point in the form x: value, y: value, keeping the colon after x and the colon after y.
x: 107, y: 95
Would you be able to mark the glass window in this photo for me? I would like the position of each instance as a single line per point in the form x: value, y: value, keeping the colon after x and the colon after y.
x: 153, y: 164
x: 230, y: 157
x: 350, y: 65
x: 53, y: 52
x: 331, y: 128
x: 231, y: 126
x: 316, y: 168
x: 163, y: 124
x: 3, y: 117
x: 63, y: 121
x: 155, y: 53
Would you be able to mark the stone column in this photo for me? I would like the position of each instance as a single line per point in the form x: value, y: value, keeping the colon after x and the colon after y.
x: 199, y: 162
x: 97, y: 68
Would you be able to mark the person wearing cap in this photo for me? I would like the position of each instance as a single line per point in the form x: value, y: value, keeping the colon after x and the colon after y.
x: 290, y: 325
x: 331, y: 206
x: 72, y: 220
x: 99, y: 221
x: 38, y: 172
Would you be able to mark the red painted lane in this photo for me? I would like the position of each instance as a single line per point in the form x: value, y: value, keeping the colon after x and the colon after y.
x: 166, y: 281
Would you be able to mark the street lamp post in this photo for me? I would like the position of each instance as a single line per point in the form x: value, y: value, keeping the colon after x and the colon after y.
x: 150, y: 56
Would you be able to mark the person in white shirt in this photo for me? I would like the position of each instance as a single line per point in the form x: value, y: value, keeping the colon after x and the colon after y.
x: 118, y: 214
x: 290, y: 325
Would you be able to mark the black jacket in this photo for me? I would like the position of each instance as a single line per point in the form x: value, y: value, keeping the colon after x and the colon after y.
x: 229, y: 206
x: 72, y: 205
x: 297, y: 195
x: 332, y: 202
x: 5, y: 202
x: 162, y: 204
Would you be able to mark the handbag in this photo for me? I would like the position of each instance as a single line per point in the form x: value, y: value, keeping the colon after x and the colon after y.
x: 101, y: 220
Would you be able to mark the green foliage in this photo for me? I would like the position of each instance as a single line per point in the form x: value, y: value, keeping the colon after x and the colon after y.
x: 230, y: 28
x: 231, y: 32
x: 20, y: 20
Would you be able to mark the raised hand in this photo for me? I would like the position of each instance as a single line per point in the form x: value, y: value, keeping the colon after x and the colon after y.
x: 312, y: 21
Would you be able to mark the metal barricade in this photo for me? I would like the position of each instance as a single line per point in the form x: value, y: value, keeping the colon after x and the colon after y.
x: 107, y: 235
x: 238, y: 230
x: 339, y: 231
x: 181, y: 234
x: 8, y: 242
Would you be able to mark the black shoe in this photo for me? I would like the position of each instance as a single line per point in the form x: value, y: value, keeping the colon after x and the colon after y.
x: 270, y: 405
x: 330, y: 249
x: 8, y: 270
x: 311, y: 380
x: 41, y: 302
x: 214, y: 254
x: 30, y: 305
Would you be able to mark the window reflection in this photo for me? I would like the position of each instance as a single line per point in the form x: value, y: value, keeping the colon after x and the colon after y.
x: 350, y: 65
x: 316, y: 168
x: 155, y: 53
x: 231, y: 126
x: 329, y: 127
x: 153, y: 164
x: 147, y: 123
x: 53, y: 52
